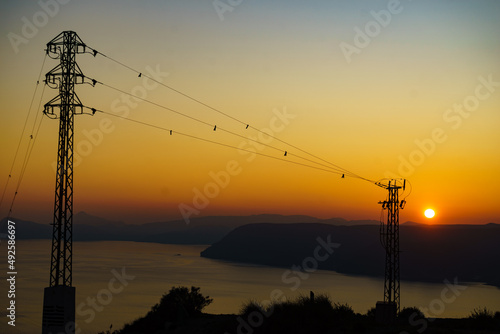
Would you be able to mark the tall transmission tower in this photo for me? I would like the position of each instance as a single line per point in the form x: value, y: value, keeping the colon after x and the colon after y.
x: 59, y: 297
x: 389, y: 237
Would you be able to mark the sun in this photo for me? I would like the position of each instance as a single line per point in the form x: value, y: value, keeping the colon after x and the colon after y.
x: 429, y: 213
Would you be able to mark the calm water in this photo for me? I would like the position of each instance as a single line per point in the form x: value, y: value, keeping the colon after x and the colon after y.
x: 158, y: 267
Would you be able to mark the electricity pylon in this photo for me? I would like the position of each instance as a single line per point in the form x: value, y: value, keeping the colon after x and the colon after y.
x: 59, y: 297
x: 389, y: 237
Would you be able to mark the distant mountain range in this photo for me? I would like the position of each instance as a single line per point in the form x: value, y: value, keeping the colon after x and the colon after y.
x: 428, y: 253
x: 471, y: 253
x: 203, y: 230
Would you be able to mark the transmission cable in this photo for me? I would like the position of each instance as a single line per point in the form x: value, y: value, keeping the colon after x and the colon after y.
x: 22, y: 132
x: 171, y: 131
x: 247, y: 125
x: 29, y: 151
x: 215, y: 127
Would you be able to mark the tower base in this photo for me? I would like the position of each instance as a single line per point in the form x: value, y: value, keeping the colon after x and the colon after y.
x: 59, y: 310
x: 385, y: 312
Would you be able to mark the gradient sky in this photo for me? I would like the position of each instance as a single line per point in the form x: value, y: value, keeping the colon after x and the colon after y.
x: 366, y: 114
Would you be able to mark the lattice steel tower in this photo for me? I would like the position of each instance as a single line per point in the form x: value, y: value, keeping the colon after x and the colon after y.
x: 389, y: 237
x: 59, y: 297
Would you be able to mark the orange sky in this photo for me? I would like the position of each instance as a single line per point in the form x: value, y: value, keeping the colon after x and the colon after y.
x: 420, y: 101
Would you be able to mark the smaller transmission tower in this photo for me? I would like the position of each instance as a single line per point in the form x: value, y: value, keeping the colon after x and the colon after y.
x: 389, y: 237
x: 59, y: 297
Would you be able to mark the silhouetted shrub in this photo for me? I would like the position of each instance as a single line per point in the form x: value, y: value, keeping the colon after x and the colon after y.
x: 191, y: 300
x: 371, y: 313
x: 174, y: 309
x: 482, y: 318
x: 481, y: 314
x: 251, y: 306
x: 343, y: 311
x: 411, y: 312
x: 301, y: 315
x: 321, y: 305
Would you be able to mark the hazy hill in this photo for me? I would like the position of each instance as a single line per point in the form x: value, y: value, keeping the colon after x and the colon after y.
x: 27, y: 230
x: 428, y: 253
x: 203, y: 230
x: 83, y: 218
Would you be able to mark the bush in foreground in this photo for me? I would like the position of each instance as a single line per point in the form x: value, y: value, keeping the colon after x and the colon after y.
x: 411, y: 314
x: 174, y: 309
x: 482, y: 318
x: 481, y: 314
x: 301, y: 315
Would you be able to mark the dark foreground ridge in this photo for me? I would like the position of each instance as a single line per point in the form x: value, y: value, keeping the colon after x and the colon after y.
x: 470, y: 253
x: 180, y: 311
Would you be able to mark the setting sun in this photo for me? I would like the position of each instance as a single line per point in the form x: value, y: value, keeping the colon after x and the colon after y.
x: 429, y: 213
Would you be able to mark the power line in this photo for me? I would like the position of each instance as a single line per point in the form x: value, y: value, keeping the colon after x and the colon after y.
x: 29, y: 150
x: 247, y: 125
x: 215, y: 127
x: 24, y: 129
x: 174, y: 90
x: 33, y: 137
x: 171, y: 131
x: 25, y: 166
x: 324, y: 164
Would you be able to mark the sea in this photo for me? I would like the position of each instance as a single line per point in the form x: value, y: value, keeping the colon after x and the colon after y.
x: 119, y: 281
